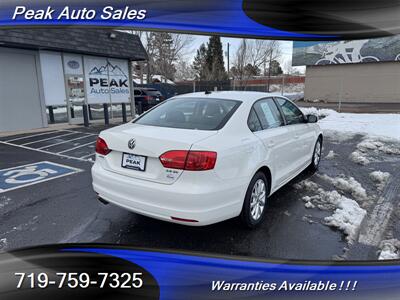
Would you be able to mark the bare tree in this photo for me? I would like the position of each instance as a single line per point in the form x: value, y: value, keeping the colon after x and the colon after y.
x: 184, y: 71
x: 254, y: 55
x: 164, y: 51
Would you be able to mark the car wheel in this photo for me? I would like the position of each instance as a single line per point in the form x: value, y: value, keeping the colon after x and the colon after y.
x: 316, y: 158
x: 253, y: 211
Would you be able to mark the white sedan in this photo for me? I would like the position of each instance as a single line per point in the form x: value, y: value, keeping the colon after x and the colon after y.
x: 202, y: 158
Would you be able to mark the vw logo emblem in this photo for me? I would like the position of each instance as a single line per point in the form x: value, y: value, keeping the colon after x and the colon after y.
x: 131, y: 143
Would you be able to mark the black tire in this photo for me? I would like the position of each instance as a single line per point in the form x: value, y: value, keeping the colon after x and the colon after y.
x: 315, y: 162
x: 246, y: 215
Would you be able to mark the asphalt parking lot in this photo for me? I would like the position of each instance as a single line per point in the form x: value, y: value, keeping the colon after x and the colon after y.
x: 58, y: 205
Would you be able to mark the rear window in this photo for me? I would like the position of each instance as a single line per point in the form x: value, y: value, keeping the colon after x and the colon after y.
x: 191, y: 113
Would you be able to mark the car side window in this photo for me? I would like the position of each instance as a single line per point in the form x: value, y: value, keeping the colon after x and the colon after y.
x: 136, y: 92
x: 292, y: 114
x: 268, y: 113
x: 253, y: 122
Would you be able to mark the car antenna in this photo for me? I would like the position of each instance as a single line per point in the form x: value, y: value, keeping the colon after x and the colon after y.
x: 207, y: 92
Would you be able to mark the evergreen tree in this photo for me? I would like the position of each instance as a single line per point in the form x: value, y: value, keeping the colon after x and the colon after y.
x: 199, y: 63
x: 276, y: 68
x: 215, y: 69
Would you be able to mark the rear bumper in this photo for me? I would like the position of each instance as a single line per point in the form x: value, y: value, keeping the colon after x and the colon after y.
x: 206, y: 203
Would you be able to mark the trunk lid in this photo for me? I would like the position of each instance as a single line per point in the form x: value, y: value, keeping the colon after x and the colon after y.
x: 150, y: 142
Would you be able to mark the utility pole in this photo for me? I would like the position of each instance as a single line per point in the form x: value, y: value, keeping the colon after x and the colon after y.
x: 269, y: 69
x: 227, y: 54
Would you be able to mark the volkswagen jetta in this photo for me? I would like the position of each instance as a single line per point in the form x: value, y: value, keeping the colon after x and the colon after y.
x: 202, y: 158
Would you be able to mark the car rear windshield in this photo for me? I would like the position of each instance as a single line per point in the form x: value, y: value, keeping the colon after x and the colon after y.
x: 191, y: 113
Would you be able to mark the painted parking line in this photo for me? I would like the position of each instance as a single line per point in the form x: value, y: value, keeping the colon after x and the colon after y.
x: 88, y: 156
x: 26, y: 175
x: 70, y: 149
x: 44, y: 151
x: 47, y: 139
x: 66, y: 141
x: 30, y: 136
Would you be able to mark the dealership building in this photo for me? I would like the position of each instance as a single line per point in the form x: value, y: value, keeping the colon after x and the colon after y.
x: 359, y: 71
x: 69, y: 68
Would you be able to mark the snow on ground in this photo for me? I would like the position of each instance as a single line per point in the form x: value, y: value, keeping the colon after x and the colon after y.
x: 306, y: 184
x: 347, y: 214
x: 331, y: 155
x: 347, y: 184
x: 294, y: 96
x: 359, y: 158
x: 380, y: 178
x: 3, y: 244
x: 320, y: 112
x: 373, y: 148
x: 378, y: 144
x: 382, y: 125
x: 389, y: 249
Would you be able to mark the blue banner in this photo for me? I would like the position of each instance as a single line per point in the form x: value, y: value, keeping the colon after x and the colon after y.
x: 182, y: 276
x: 283, y: 19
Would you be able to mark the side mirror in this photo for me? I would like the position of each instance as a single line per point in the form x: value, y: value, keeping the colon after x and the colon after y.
x: 312, y: 119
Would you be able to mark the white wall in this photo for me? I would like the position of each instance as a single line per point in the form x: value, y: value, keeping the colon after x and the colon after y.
x: 364, y: 82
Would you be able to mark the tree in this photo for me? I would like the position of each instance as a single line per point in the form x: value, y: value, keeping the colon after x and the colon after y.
x: 199, y: 63
x: 214, y: 60
x: 275, y: 68
x: 184, y: 71
x: 252, y: 55
x: 164, y: 51
x: 251, y: 70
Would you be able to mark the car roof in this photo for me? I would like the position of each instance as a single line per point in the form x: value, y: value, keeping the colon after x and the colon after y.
x: 231, y: 95
x: 146, y: 89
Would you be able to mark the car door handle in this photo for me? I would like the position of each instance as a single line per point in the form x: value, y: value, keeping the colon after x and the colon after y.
x: 296, y: 136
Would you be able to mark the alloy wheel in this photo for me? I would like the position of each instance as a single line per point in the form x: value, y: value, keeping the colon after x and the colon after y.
x: 258, y: 197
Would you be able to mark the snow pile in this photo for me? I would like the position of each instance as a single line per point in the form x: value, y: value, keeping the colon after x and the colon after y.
x: 347, y: 216
x: 372, y: 124
x: 380, y: 178
x: 372, y: 147
x: 378, y: 145
x: 306, y: 184
x: 320, y: 113
x: 331, y: 155
x: 389, y: 249
x: 294, y: 96
x: 347, y: 184
x: 359, y: 158
x: 309, y: 204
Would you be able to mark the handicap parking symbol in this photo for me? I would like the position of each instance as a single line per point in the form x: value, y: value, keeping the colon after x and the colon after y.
x: 21, y: 176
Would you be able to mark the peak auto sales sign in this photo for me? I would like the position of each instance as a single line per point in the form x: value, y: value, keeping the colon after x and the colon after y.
x: 106, y: 79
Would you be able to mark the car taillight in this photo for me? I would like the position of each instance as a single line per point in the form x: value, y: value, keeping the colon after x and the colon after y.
x: 101, y: 147
x: 189, y: 160
x: 147, y: 98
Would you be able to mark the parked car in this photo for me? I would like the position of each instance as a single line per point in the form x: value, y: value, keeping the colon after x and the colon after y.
x: 202, y: 158
x: 147, y: 97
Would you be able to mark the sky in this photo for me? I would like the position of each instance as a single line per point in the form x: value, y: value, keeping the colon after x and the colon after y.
x: 286, y: 47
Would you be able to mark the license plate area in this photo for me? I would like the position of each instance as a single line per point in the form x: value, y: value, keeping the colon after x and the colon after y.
x: 133, y: 162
